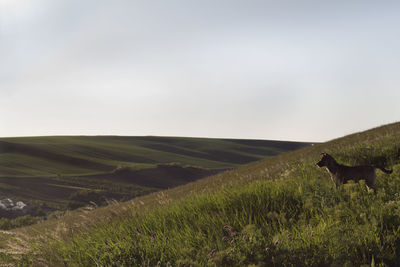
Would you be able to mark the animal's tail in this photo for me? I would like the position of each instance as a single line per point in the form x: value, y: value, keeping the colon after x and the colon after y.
x: 383, y: 169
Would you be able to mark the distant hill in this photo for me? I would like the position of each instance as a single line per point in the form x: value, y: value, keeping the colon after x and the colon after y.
x: 51, y: 169
x: 68, y: 155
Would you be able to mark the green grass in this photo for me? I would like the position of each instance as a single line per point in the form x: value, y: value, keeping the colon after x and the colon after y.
x: 288, y: 222
x: 283, y: 211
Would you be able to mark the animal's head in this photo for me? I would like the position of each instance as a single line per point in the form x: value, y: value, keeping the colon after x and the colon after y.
x: 325, y: 160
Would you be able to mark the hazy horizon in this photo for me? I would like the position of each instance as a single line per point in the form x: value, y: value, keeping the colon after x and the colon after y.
x: 185, y: 136
x: 289, y: 70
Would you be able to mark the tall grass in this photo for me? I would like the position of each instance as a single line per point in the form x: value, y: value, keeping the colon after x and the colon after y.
x: 284, y: 211
x: 301, y: 220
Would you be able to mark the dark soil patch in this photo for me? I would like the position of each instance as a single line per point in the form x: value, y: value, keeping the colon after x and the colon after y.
x: 163, y: 176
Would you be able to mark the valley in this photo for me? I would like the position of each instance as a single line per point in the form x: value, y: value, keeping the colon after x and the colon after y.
x: 52, y: 171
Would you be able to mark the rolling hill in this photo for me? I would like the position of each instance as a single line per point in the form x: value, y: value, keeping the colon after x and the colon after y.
x: 53, y: 170
x: 280, y: 211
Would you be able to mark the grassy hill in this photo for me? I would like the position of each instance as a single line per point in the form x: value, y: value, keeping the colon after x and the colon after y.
x: 280, y: 211
x: 79, y: 155
x: 53, y: 170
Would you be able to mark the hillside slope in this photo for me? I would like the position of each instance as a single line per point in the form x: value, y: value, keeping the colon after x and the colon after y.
x: 280, y: 211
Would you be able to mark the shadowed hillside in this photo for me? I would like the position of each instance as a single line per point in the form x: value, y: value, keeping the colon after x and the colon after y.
x: 162, y: 176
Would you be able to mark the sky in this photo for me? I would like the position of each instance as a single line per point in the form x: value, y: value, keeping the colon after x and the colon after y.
x: 282, y: 70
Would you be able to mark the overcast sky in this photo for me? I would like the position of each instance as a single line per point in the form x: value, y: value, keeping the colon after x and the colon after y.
x: 287, y: 70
